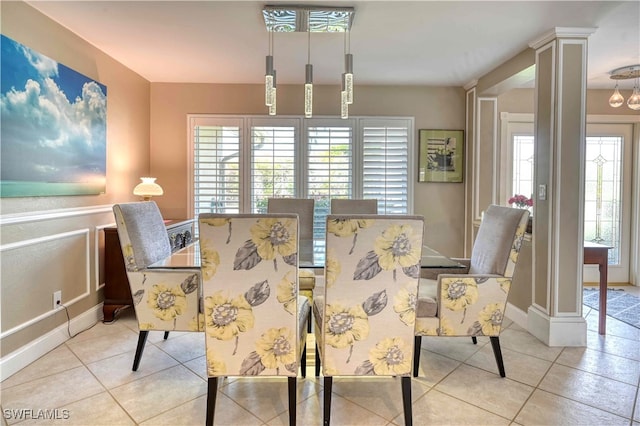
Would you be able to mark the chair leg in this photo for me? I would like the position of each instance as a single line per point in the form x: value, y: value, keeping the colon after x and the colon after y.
x: 309, y: 321
x: 292, y: 401
x: 406, y: 400
x: 328, y: 382
x: 166, y: 335
x: 317, y: 361
x: 495, y: 343
x: 303, y: 361
x: 142, y: 339
x: 474, y: 340
x: 212, y: 392
x: 416, y: 355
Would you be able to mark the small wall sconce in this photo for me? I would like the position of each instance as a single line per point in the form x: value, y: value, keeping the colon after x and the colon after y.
x: 148, y: 188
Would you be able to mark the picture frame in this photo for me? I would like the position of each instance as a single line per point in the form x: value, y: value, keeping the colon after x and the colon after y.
x: 63, y: 151
x: 441, y: 156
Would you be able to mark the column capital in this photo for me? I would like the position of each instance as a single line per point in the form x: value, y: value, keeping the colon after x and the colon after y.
x: 561, y: 32
x: 470, y: 85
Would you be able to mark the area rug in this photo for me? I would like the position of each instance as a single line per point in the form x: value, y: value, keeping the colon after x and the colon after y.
x: 620, y: 304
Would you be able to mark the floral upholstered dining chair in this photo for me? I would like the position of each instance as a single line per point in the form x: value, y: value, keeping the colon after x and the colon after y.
x: 472, y: 301
x: 165, y: 300
x: 255, y: 321
x: 364, y: 321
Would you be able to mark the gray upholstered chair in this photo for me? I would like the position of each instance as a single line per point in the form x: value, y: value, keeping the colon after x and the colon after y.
x: 304, y: 208
x: 254, y: 319
x: 351, y: 206
x: 473, y: 301
x: 165, y: 300
x: 364, y: 320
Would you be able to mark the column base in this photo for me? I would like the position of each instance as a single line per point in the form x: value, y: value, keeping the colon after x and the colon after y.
x: 557, y: 331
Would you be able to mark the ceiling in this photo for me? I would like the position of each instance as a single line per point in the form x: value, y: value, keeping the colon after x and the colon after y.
x: 435, y: 43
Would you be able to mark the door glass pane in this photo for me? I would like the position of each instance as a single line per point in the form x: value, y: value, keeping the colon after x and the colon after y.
x: 603, y: 183
x: 523, y: 165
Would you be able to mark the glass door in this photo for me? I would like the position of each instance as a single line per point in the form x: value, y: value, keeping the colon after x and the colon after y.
x: 607, y: 204
x: 608, y: 197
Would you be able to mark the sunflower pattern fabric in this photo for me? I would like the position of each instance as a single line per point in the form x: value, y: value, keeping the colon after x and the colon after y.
x: 367, y: 312
x: 250, y: 291
x: 165, y: 300
x: 474, y: 304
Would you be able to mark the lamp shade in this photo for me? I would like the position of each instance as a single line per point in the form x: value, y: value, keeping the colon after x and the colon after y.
x: 147, y: 188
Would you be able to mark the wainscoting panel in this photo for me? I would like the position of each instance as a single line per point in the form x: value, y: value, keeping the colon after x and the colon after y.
x: 43, y: 265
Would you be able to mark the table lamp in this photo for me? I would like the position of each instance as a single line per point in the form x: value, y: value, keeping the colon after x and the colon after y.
x: 147, y: 188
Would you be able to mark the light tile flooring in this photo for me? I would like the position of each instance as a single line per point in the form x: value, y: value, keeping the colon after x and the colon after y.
x: 89, y: 380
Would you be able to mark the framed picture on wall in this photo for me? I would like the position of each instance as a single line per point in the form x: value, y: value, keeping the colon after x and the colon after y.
x: 54, y: 127
x: 440, y: 156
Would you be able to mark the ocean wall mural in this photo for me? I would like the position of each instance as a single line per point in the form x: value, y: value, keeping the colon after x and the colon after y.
x: 53, y: 127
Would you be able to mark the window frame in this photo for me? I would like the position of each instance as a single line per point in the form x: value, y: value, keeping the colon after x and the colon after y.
x: 245, y: 123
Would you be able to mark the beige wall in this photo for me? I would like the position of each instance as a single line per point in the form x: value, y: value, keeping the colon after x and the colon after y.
x: 442, y: 204
x: 521, y: 101
x: 32, y: 269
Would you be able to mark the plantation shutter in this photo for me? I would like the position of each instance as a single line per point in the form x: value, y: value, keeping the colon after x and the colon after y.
x: 273, y: 166
x: 385, y: 164
x: 330, y: 168
x: 216, y: 166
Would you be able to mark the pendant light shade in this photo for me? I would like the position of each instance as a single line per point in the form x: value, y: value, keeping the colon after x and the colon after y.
x: 616, y: 100
x: 348, y: 77
x: 625, y: 73
x: 634, y: 100
x: 308, y: 91
x: 344, y: 106
x: 274, y: 92
x: 268, y: 82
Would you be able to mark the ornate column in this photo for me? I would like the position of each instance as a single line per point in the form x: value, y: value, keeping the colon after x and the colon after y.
x: 555, y: 316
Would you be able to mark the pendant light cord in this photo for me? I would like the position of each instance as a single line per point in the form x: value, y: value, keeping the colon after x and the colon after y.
x: 309, y: 41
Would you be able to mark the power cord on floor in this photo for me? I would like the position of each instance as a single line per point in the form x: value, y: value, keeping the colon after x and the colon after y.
x: 69, y: 322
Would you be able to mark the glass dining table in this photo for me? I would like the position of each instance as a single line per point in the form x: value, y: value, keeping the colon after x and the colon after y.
x: 189, y: 258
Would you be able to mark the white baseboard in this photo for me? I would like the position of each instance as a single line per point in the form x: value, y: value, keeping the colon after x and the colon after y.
x: 20, y: 358
x: 516, y: 315
x: 557, y: 331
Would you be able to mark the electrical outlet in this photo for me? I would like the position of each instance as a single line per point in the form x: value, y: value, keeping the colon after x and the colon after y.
x: 57, y: 299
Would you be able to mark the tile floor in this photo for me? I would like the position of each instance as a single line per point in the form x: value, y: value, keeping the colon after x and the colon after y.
x: 89, y: 380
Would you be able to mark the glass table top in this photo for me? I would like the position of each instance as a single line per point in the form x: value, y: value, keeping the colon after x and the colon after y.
x: 189, y: 258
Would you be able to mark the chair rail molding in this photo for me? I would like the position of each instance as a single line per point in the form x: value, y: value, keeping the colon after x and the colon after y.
x: 16, y: 218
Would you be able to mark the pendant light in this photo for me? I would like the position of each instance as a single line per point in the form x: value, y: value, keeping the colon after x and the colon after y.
x: 270, y: 74
x: 302, y: 18
x: 634, y: 100
x: 347, y: 77
x: 626, y: 73
x: 616, y: 99
x: 308, y: 79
